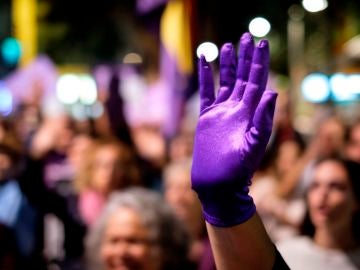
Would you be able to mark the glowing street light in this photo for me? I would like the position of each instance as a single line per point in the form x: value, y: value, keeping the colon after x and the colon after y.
x: 132, y: 58
x: 341, y: 88
x: 315, y: 88
x: 67, y: 89
x: 314, y: 5
x: 71, y: 88
x: 209, y: 50
x: 259, y: 27
x: 88, y: 90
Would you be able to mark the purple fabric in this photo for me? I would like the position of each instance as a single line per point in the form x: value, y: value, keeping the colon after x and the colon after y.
x: 232, y: 132
x: 175, y: 82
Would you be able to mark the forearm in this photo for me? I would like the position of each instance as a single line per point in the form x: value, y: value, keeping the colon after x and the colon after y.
x: 244, y: 246
x: 290, y: 180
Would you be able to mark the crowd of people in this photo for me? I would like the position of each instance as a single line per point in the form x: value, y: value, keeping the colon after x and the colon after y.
x: 96, y: 194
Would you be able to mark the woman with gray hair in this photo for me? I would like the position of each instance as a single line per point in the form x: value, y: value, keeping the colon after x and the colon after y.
x: 137, y: 230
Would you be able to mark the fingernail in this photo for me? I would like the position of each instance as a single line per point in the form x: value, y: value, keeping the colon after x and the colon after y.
x: 273, y: 94
x: 246, y: 37
x: 203, y: 60
x: 227, y: 47
x: 263, y: 43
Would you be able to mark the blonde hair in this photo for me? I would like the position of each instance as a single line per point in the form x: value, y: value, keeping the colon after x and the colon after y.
x: 126, y: 158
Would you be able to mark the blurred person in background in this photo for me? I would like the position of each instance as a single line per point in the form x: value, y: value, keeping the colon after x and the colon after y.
x: 282, y: 217
x: 283, y: 130
x: 26, y: 118
x: 150, y: 144
x: 179, y: 195
x: 50, y: 143
x: 52, y: 150
x: 19, y: 219
x: 65, y: 229
x: 328, y: 140
x: 110, y: 165
x: 352, y: 149
x: 137, y: 230
x: 331, y: 228
x: 180, y: 146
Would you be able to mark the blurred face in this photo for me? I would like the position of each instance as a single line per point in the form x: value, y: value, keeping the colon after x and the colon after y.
x: 107, y: 169
x: 330, y: 197
x: 76, y: 154
x: 180, y: 148
x: 63, y: 133
x: 289, y: 152
x: 353, y: 147
x: 331, y: 137
x: 127, y: 244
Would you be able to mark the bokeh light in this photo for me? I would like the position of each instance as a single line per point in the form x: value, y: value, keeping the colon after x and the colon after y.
x: 209, y: 50
x: 314, y: 5
x: 67, y: 89
x: 10, y: 51
x: 315, y: 88
x: 259, y: 27
x: 354, y: 83
x: 88, y: 90
x: 132, y: 58
x: 71, y: 88
x: 341, y: 88
x: 6, y: 100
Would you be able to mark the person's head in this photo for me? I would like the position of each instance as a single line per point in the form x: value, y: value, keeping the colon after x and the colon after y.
x: 330, y: 137
x: 181, y: 146
x: 287, y: 154
x: 283, y: 111
x: 136, y: 230
x: 352, y: 149
x: 333, y: 197
x: 80, y: 145
x: 62, y: 127
x: 180, y: 196
x: 109, y: 165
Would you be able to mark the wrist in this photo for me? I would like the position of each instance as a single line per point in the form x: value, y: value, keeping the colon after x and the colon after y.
x: 225, y: 202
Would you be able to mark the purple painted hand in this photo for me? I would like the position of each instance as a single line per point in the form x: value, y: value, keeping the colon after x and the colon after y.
x: 233, y: 131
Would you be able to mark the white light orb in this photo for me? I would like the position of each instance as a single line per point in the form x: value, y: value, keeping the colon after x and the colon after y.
x: 209, y: 50
x: 315, y: 88
x: 259, y: 27
x: 354, y: 83
x: 314, y: 5
x: 87, y: 90
x: 340, y: 89
x: 68, y: 89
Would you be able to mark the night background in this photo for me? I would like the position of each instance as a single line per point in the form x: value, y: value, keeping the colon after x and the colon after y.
x: 88, y: 32
x: 100, y: 96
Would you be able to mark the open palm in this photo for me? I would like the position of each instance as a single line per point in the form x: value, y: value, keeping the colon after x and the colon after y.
x: 234, y: 127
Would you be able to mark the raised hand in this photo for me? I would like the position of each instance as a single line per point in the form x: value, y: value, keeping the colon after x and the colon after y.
x: 233, y: 130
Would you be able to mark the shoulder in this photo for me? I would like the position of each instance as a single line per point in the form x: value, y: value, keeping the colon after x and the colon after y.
x: 302, y: 253
x: 294, y: 244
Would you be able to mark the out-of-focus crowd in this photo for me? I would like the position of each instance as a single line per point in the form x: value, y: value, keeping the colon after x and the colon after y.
x: 62, y: 199
x: 103, y: 194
